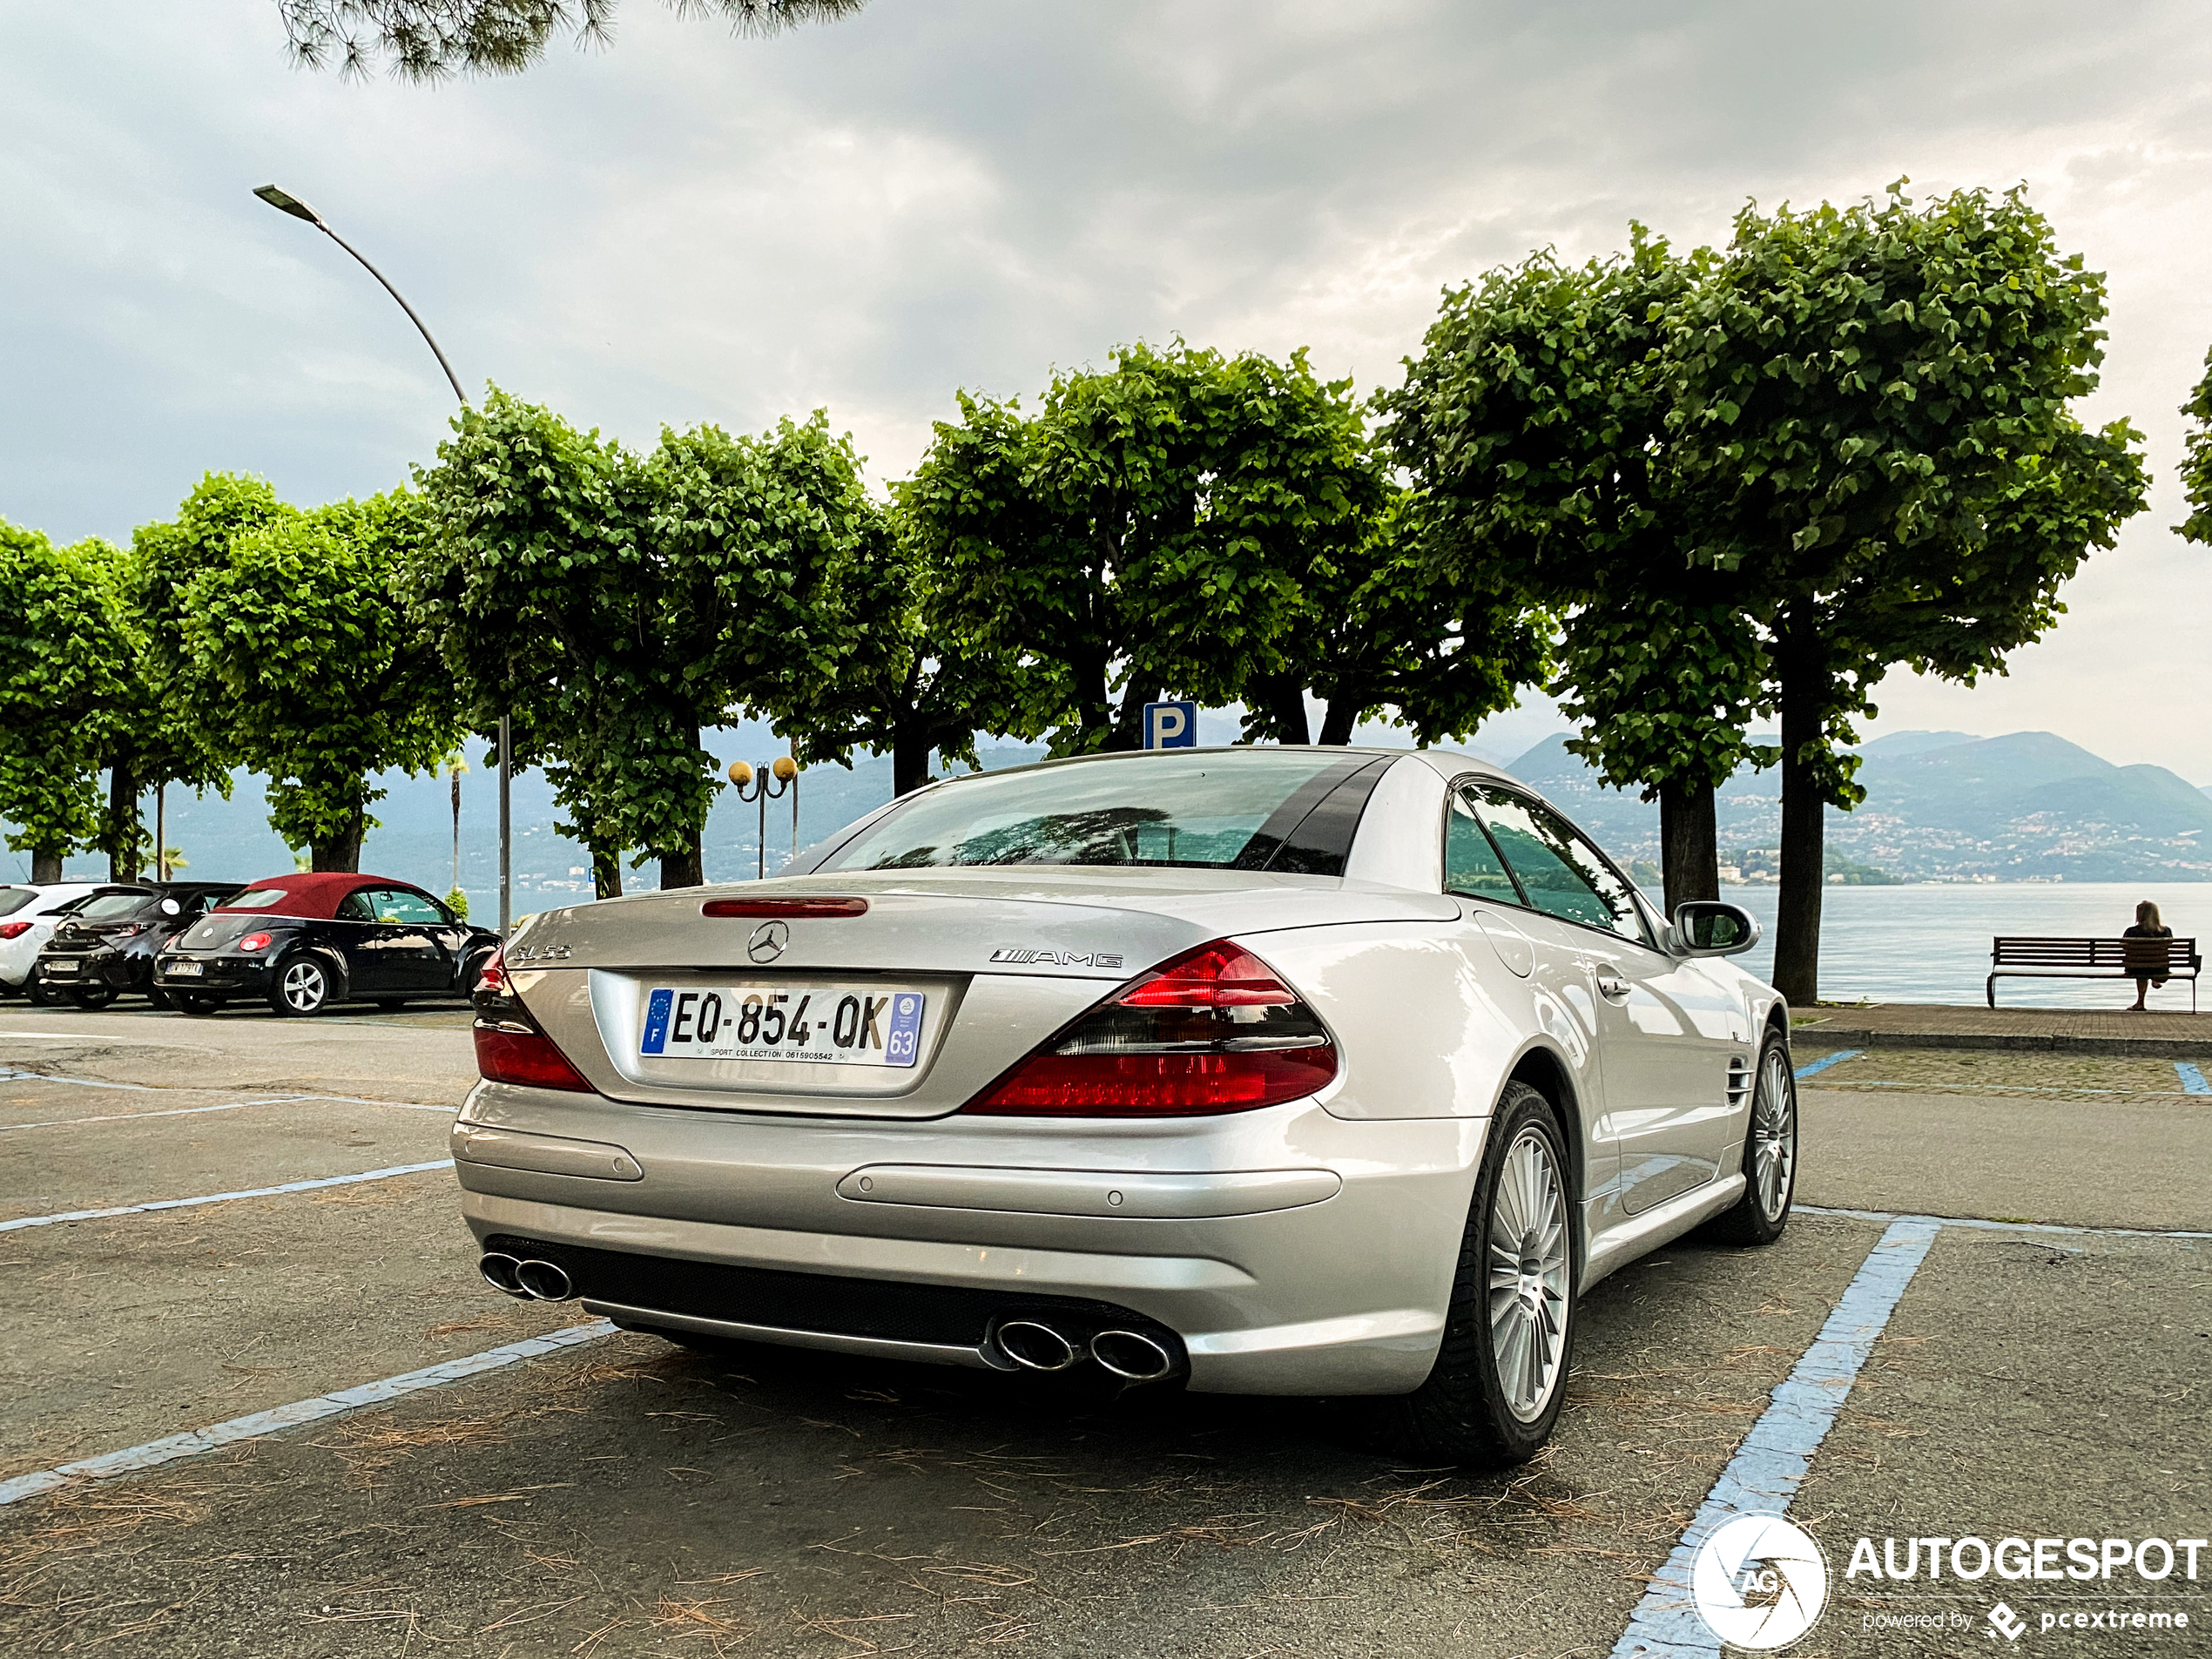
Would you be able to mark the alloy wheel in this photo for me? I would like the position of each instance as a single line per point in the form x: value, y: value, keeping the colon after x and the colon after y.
x: 303, y: 987
x: 1529, y: 1284
x: 1774, y: 1135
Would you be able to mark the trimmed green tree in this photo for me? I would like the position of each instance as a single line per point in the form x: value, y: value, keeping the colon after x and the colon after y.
x: 65, y: 650
x: 2197, y: 462
x: 1871, y: 406
x: 326, y: 678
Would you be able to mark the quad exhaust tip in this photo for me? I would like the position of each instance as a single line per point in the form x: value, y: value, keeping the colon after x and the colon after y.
x: 1035, y: 1347
x: 1131, y: 1355
x: 535, y: 1279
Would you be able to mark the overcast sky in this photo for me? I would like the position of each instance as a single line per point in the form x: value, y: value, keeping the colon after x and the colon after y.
x: 941, y: 193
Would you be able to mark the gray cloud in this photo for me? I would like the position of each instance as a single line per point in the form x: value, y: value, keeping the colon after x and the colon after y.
x: 692, y: 227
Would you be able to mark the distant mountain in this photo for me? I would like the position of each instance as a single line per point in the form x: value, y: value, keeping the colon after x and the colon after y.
x: 1942, y: 805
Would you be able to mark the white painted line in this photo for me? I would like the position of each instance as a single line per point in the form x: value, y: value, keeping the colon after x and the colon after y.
x: 12, y: 1076
x: 224, y: 1197
x: 1763, y: 1475
x: 1828, y: 1060
x: 2000, y: 1226
x: 132, y: 1117
x: 96, y: 1039
x: 8, y: 1075
x: 2192, y: 1079
x: 195, y: 1441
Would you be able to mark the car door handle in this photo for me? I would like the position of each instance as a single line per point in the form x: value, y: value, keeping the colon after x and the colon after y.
x: 1612, y: 988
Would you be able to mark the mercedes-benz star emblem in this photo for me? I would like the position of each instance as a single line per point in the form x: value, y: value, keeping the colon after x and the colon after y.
x: 768, y: 941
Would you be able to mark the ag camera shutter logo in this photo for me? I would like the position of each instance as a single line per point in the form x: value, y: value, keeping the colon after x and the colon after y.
x: 1759, y: 1582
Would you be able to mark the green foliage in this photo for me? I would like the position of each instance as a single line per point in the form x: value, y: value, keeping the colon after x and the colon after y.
x: 65, y: 651
x: 1150, y: 528
x: 325, y: 677
x: 457, y: 901
x: 618, y: 604
x: 429, y: 40
x: 2196, y: 464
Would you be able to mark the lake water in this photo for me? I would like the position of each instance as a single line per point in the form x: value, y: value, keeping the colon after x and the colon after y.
x: 1931, y: 943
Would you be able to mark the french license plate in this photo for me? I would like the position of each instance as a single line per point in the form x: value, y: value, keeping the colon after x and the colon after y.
x: 60, y: 970
x: 833, y: 1025
x: 187, y: 970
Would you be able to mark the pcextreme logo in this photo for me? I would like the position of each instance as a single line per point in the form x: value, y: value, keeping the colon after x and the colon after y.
x: 1759, y: 1582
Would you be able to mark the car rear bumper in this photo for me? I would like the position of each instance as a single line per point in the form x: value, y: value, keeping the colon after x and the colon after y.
x: 218, y: 976
x: 1286, y: 1250
x: 111, y: 970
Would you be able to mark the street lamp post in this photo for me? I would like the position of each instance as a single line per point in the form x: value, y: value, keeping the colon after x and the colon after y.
x: 285, y: 202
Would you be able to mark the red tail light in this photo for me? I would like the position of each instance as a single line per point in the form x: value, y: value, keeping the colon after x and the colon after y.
x: 255, y: 942
x: 513, y: 1052
x: 509, y: 1047
x: 1214, y: 1030
x: 14, y: 929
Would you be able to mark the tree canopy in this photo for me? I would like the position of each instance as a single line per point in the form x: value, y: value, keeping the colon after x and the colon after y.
x: 2196, y: 464
x: 431, y: 40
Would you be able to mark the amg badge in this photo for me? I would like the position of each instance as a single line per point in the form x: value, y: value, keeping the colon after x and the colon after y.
x: 1014, y: 954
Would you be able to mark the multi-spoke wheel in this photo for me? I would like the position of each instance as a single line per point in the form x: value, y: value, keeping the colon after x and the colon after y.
x: 302, y: 986
x: 1770, y: 1162
x: 1500, y: 1370
x: 1529, y: 1276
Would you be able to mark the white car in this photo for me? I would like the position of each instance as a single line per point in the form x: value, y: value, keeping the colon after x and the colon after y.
x: 1269, y: 1070
x: 28, y: 915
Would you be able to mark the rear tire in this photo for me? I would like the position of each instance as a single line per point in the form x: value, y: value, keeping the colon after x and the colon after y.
x: 93, y: 998
x: 1501, y: 1373
x: 44, y: 996
x: 1769, y: 1157
x: 301, y: 986
x: 159, y: 999
x: 391, y: 1004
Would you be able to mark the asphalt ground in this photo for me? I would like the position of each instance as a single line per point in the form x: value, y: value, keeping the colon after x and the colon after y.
x: 625, y: 1496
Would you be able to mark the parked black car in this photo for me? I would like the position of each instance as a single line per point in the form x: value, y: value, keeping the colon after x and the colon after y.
x: 106, y: 947
x: 305, y: 941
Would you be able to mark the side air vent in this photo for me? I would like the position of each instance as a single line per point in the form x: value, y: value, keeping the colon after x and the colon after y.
x: 1739, y: 1081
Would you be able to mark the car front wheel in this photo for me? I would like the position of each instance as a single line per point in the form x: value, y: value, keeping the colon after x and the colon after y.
x: 1770, y: 1154
x: 302, y: 986
x: 1500, y: 1370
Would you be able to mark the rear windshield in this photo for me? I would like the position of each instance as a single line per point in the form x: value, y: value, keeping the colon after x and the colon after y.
x: 254, y: 899
x: 1204, y: 811
x: 219, y: 928
x: 113, y: 906
x: 14, y: 899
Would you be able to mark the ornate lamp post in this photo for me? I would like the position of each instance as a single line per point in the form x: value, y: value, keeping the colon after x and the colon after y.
x: 783, y: 771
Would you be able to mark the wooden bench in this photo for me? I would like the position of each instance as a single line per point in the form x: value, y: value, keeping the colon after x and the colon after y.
x: 2026, y: 958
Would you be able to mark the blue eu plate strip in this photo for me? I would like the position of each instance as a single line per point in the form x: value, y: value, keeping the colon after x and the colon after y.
x: 655, y: 1038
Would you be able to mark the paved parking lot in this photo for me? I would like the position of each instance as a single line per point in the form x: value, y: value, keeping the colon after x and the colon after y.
x: 548, y: 1489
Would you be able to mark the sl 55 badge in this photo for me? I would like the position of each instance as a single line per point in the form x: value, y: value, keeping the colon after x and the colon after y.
x: 1017, y: 956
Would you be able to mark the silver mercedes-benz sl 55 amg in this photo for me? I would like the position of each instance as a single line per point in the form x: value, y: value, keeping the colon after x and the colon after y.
x: 1312, y: 1071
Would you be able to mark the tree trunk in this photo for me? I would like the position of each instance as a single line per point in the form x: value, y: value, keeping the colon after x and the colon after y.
x: 1282, y: 699
x: 341, y: 852
x: 45, y: 866
x: 1797, y: 922
x: 1689, y: 845
x: 682, y: 869
x: 1128, y: 726
x: 122, y: 825
x: 1337, y: 723
x: 1095, y: 712
x: 909, y: 760
x: 606, y: 872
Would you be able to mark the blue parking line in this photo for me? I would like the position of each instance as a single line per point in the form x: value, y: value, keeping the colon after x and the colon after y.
x: 1828, y: 1060
x: 1763, y: 1475
x: 153, y: 1454
x: 2192, y: 1079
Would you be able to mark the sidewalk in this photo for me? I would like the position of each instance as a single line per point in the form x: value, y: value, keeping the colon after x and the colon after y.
x: 2156, y: 1035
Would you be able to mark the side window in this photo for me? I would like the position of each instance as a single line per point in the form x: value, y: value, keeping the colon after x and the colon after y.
x: 1471, y: 864
x: 1561, y: 873
x: 354, y: 907
x: 408, y: 909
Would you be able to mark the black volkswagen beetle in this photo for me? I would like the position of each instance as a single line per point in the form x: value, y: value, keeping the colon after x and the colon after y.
x: 106, y: 947
x: 305, y: 941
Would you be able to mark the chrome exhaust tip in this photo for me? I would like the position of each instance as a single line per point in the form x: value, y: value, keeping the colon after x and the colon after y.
x: 547, y: 1281
x: 1131, y: 1355
x: 499, y: 1270
x: 1035, y: 1347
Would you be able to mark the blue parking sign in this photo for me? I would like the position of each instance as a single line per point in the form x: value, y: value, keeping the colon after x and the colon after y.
x: 1170, y: 725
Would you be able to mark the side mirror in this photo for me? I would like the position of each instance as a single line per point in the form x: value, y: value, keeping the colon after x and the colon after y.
x: 171, y: 908
x: 1707, y: 928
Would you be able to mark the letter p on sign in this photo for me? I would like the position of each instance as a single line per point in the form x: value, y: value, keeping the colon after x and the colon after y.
x: 1170, y: 725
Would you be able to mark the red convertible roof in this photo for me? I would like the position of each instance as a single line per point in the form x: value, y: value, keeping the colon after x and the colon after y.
x: 314, y: 896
